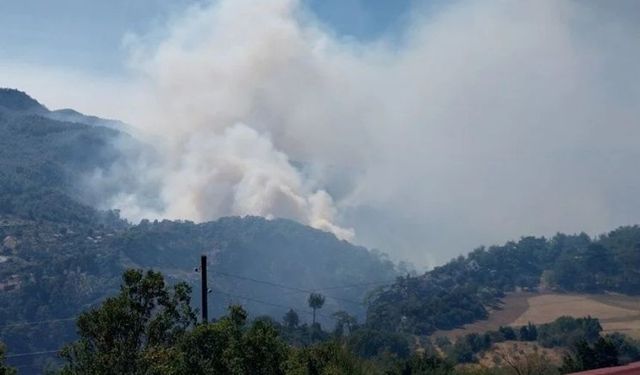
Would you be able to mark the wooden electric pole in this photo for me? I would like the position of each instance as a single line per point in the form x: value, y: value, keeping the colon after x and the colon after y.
x: 205, y: 290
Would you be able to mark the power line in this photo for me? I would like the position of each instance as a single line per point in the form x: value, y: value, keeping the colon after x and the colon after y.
x: 250, y: 299
x: 381, y: 283
x: 299, y: 290
x: 38, y: 322
x: 265, y: 302
x: 287, y: 287
x: 261, y: 282
x: 68, y: 319
x: 303, y: 289
x: 31, y: 353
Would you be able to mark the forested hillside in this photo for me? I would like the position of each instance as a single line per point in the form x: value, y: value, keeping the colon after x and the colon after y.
x: 460, y: 291
x: 150, y: 327
x: 59, y: 256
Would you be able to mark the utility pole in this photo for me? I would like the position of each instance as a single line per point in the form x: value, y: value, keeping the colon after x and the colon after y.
x: 205, y: 290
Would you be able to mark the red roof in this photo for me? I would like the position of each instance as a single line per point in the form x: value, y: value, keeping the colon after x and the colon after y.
x: 630, y: 369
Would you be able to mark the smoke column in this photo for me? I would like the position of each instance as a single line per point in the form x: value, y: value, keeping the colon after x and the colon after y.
x: 487, y: 121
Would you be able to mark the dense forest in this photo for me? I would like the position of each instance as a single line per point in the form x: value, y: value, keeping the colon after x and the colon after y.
x: 460, y: 291
x: 61, y: 259
x: 59, y: 255
x: 150, y: 327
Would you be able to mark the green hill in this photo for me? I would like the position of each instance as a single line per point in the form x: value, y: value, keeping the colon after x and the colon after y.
x: 462, y: 290
x: 59, y: 255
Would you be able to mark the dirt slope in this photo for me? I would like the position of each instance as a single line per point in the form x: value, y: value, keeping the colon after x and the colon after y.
x: 616, y: 312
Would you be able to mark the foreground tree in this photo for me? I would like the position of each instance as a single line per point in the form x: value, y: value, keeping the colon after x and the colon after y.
x: 229, y: 346
x: 516, y: 361
x: 327, y: 359
x: 149, y: 328
x: 584, y: 357
x: 132, y: 330
x: 424, y: 364
x: 528, y: 332
x: 4, y: 369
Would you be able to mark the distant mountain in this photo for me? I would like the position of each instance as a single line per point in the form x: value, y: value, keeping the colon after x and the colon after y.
x: 43, y: 160
x: 70, y: 115
x: 40, y: 156
x: 15, y: 100
x: 18, y: 102
x: 59, y: 255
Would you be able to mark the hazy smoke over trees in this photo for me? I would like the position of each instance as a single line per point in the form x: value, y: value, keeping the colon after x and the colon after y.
x: 487, y: 120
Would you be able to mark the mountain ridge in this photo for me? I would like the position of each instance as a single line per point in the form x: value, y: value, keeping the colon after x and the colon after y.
x: 60, y: 255
x: 16, y: 100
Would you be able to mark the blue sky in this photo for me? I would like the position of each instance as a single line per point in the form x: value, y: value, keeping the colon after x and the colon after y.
x: 87, y: 35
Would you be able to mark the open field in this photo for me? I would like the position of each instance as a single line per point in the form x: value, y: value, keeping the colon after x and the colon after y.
x: 616, y: 312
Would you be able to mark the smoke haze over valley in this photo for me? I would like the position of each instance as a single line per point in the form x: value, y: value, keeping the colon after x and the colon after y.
x: 473, y: 122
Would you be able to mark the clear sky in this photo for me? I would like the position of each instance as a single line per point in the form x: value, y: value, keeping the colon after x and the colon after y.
x: 88, y: 35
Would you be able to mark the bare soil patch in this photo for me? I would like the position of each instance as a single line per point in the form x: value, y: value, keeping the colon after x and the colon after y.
x: 616, y: 312
x: 546, y: 308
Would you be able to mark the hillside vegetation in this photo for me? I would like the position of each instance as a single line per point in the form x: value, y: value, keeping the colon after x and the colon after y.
x: 60, y: 256
x: 464, y: 289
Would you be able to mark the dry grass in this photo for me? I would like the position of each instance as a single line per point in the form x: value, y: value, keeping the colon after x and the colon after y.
x: 616, y: 312
x: 629, y: 327
x: 546, y: 308
x: 627, y: 302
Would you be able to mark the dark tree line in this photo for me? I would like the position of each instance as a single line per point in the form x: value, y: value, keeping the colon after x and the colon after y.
x: 460, y: 291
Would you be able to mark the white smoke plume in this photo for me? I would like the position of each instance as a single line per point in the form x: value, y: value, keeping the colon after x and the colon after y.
x: 488, y: 121
x: 205, y: 81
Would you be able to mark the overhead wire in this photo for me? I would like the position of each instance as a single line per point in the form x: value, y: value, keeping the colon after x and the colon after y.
x: 240, y: 277
x: 31, y: 353
x: 38, y: 322
x: 282, y: 286
x: 252, y: 299
x: 256, y: 300
x: 381, y: 283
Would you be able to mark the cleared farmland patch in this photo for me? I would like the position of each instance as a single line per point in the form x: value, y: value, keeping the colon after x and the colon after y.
x: 546, y: 308
x: 617, y: 313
